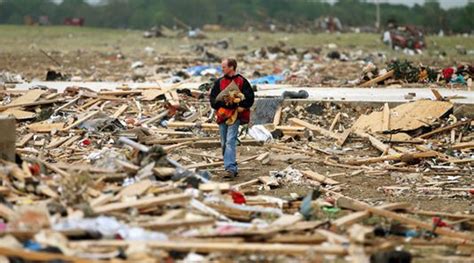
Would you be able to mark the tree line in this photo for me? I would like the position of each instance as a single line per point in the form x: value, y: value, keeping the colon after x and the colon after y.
x: 141, y: 14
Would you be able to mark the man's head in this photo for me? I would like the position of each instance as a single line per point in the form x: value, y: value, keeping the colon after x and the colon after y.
x: 229, y: 65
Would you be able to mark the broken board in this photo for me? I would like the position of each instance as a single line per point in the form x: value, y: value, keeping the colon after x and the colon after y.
x: 406, y: 117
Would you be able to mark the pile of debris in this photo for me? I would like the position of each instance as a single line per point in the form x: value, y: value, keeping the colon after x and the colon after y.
x: 131, y: 174
x: 402, y: 72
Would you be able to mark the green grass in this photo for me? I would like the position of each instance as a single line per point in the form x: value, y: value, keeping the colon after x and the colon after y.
x: 18, y: 39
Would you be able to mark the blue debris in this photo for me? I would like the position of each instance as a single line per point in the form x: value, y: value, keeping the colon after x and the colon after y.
x: 459, y: 79
x: 198, y: 70
x: 270, y: 79
x: 32, y: 245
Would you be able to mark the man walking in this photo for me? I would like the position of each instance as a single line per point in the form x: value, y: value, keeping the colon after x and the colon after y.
x: 231, y: 98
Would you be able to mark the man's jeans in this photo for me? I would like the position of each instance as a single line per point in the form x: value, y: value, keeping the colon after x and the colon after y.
x: 229, y: 145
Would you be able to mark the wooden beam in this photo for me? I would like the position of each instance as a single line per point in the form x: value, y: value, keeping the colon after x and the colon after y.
x: 463, y: 145
x: 374, y: 81
x: 350, y: 219
x: 32, y: 256
x: 395, y: 157
x: 407, y: 220
x: 174, y: 224
x: 120, y: 111
x: 340, y: 142
x: 334, y: 122
x: 156, y: 118
x: 443, y: 129
x: 223, y: 247
x: 277, y: 117
x: 154, y: 201
x: 314, y: 128
x: 81, y: 120
x: 27, y: 104
x: 437, y: 94
x: 319, y: 177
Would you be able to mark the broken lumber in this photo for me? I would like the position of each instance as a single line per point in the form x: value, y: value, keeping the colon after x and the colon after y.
x: 395, y: 157
x: 314, y: 128
x: 223, y: 247
x: 319, y: 177
x: 154, y: 201
x: 27, y: 104
x: 348, y: 220
x: 443, y: 129
x: 375, y: 80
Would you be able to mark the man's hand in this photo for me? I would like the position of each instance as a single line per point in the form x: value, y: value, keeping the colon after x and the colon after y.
x: 240, y: 109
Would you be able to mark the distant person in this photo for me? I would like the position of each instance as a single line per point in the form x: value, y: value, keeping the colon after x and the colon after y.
x: 231, y: 98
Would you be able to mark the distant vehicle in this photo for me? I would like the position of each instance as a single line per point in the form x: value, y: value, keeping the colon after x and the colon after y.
x: 74, y: 21
x: 403, y: 37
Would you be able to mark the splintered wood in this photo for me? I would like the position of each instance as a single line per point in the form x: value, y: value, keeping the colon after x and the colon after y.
x: 145, y: 169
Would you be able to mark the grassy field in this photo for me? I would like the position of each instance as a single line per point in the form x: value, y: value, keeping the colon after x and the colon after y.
x: 18, y: 39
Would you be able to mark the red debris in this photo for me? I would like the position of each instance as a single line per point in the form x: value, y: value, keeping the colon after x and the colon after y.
x: 238, y: 197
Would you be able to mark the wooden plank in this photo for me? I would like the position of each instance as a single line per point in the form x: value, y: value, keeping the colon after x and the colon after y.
x: 441, y: 214
x: 463, y: 145
x: 24, y: 140
x: 57, y: 142
x: 380, y: 145
x: 28, y: 97
x: 314, y: 128
x: 437, y: 94
x: 154, y: 201
x: 54, y: 168
x: 277, y: 117
x: 121, y: 92
x: 222, y: 247
x: 71, y: 140
x: 427, y: 226
x: 152, y: 94
x: 81, y: 120
x: 156, y: 118
x: 19, y: 114
x: 319, y: 177
x: 334, y: 122
x: 135, y: 189
x: 120, y: 111
x: 32, y: 256
x: 375, y: 80
x: 245, y: 184
x: 209, y: 187
x: 405, y: 117
x: 340, y: 142
x: 160, y: 225
x: 89, y: 103
x: 395, y: 157
x: 443, y: 129
x: 101, y: 200
x: 348, y: 220
x: 27, y: 104
x: 386, y: 118
x: 45, y: 127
